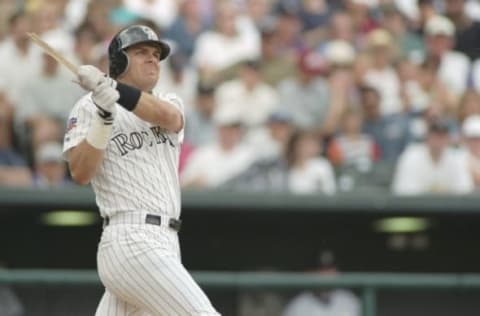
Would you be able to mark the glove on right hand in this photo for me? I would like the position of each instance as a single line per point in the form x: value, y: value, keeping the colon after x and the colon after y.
x: 89, y: 77
x: 105, y: 96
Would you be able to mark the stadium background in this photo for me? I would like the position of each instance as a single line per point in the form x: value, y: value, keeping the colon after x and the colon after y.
x: 315, y: 66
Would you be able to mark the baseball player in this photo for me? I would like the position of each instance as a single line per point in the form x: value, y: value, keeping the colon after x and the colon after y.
x: 125, y: 139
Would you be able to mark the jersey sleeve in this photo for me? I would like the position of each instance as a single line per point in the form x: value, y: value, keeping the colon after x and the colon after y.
x: 175, y: 100
x: 77, y: 125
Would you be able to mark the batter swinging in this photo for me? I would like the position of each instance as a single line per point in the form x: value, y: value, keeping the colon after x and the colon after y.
x: 125, y: 139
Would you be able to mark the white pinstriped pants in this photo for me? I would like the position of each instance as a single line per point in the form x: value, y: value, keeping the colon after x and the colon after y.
x: 140, y: 267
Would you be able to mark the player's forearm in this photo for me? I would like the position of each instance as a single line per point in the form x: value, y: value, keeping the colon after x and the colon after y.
x: 148, y: 107
x: 159, y: 112
x: 83, y: 161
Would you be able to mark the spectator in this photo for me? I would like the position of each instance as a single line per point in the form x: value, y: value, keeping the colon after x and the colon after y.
x: 410, y: 44
x: 339, y: 54
x: 162, y: 12
x: 427, y: 89
x: 99, y: 17
x: 10, y: 304
x: 270, y: 141
x: 471, y: 155
x: 275, y: 66
x: 315, y: 15
x: 432, y: 166
x: 263, y: 175
x: 342, y: 77
x: 469, y: 105
x: 234, y: 39
x: 341, y: 28
x: 360, y: 11
x: 19, y: 58
x: 201, y: 128
x: 50, y: 168
x: 187, y: 27
x: 249, y: 95
x: 13, y: 168
x: 382, y: 76
x: 212, y: 165
x: 85, y: 43
x: 467, y: 31
x: 452, y: 67
x: 306, y: 95
x: 308, y: 172
x: 426, y: 10
x: 351, y: 147
x: 352, y: 152
x: 269, y: 171
x: 390, y: 132
x: 179, y: 77
x: 48, y: 18
x: 258, y: 11
x: 260, y: 303
x: 299, y: 169
x: 7, y: 8
x: 323, y: 302
x: 289, y: 31
x: 43, y: 114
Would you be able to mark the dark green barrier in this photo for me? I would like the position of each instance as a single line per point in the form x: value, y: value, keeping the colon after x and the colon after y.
x: 368, y: 284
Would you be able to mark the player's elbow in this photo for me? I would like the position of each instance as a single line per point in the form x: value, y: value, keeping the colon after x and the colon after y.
x: 176, y: 121
x: 80, y: 175
x: 172, y: 120
x: 80, y: 178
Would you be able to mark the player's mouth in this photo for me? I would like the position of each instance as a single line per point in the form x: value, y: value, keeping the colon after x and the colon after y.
x: 152, y: 72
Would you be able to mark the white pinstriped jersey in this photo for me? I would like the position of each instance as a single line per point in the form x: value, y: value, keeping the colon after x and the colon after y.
x: 140, y: 167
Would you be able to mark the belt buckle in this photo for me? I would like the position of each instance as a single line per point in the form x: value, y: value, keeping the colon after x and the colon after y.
x: 153, y: 219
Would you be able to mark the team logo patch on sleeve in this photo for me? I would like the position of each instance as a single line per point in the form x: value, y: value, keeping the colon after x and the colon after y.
x: 71, y: 124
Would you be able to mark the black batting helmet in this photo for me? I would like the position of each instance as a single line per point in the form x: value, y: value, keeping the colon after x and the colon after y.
x: 132, y: 35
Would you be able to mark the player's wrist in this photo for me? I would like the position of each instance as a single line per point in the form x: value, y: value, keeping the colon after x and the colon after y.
x: 106, y: 115
x: 99, y: 133
x: 129, y: 96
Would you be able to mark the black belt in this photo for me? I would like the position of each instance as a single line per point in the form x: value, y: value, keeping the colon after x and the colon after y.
x: 173, y: 223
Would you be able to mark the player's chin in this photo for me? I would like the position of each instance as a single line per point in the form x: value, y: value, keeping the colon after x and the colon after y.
x: 152, y: 75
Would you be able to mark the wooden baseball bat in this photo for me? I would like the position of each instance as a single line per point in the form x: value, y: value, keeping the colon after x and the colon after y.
x: 53, y: 53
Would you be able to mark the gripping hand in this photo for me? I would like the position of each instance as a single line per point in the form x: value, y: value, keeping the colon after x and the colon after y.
x: 105, y: 96
x: 90, y: 77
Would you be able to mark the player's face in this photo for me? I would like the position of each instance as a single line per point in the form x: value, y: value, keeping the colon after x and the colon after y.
x: 143, y: 67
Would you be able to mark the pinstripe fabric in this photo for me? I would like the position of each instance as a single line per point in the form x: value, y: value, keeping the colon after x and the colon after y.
x: 138, y: 263
x: 139, y: 171
x: 146, y: 258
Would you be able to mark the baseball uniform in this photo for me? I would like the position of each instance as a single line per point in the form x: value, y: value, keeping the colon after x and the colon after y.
x: 137, y: 191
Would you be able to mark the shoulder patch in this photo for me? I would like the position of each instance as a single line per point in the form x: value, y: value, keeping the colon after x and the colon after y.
x: 71, y: 124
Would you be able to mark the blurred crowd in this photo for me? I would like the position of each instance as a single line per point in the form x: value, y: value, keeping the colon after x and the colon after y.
x: 306, y: 96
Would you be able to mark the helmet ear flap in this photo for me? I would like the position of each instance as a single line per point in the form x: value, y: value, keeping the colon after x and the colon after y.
x: 118, y: 64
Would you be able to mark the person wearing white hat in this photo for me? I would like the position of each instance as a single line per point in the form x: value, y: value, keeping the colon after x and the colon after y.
x: 382, y: 75
x: 213, y: 164
x: 453, y: 66
x: 249, y: 93
x: 432, y: 166
x: 340, y: 53
x: 50, y: 168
